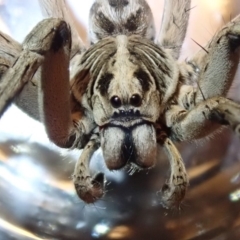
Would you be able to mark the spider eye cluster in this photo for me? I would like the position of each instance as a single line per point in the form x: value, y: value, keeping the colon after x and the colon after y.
x: 135, y: 101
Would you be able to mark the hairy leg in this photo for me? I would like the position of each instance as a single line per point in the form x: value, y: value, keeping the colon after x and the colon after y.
x: 47, y: 47
x: 27, y: 98
x: 174, y: 25
x: 221, y: 62
x: 200, y: 121
x: 174, y: 189
x: 215, y: 65
x: 88, y: 187
x: 203, y: 119
x: 22, y: 65
x: 15, y: 75
x: 9, y: 50
x: 58, y: 9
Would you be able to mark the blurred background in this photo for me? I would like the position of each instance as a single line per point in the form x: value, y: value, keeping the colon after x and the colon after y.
x: 37, y: 198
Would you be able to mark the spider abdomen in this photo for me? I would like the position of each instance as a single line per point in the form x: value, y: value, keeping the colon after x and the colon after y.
x: 117, y: 17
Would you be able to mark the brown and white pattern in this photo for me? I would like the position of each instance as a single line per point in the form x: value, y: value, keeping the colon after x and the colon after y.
x: 128, y: 93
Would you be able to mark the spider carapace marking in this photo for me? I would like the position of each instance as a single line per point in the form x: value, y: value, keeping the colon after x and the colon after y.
x: 128, y: 93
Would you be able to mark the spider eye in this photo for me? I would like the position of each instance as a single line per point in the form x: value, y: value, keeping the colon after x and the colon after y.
x: 136, y: 100
x: 116, y: 101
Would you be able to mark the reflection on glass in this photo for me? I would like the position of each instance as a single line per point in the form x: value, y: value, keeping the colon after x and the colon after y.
x: 235, y: 196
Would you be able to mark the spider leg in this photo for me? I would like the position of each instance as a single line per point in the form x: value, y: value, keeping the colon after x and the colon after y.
x: 174, y: 25
x: 58, y: 9
x: 215, y: 65
x: 89, y: 188
x: 174, y: 189
x: 15, y: 77
x: 203, y: 119
x: 221, y: 63
x: 9, y: 50
x: 200, y: 121
x: 27, y: 98
x: 201, y: 111
x: 48, y: 47
x: 20, y: 60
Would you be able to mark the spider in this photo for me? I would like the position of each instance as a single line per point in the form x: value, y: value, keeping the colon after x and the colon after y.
x: 127, y: 93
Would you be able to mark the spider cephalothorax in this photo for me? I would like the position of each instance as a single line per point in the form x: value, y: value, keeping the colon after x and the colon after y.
x: 128, y: 93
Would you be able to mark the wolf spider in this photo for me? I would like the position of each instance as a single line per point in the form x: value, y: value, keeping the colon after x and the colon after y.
x: 127, y: 93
